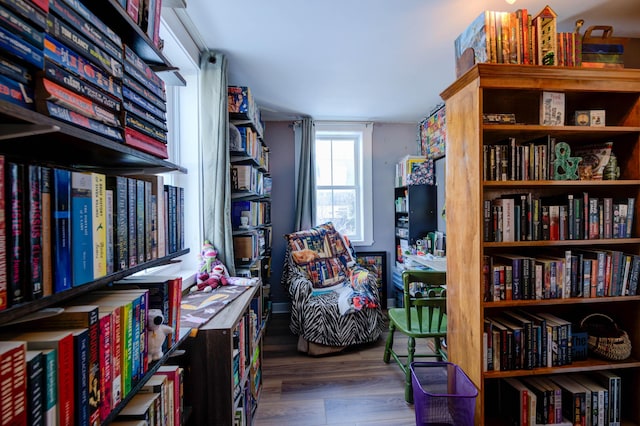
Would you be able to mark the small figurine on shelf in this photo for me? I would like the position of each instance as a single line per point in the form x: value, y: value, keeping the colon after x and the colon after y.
x: 156, y: 334
x: 212, y: 272
x: 611, y: 170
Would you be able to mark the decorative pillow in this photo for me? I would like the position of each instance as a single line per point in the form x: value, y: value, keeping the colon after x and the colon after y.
x: 321, y: 253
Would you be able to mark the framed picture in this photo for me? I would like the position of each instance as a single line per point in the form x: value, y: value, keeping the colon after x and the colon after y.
x: 376, y: 262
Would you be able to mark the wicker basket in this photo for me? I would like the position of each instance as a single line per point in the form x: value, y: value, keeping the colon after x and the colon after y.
x: 606, y: 340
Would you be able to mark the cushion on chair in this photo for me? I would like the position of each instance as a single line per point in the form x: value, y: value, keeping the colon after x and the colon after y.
x: 322, y: 253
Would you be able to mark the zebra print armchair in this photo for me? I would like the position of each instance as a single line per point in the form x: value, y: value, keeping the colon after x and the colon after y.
x: 334, y: 302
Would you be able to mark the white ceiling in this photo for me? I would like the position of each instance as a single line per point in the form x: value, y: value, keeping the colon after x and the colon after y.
x: 379, y: 60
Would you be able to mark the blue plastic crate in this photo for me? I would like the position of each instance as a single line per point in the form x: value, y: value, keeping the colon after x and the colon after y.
x: 442, y: 394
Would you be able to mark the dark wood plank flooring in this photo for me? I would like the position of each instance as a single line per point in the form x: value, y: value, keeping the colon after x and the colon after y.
x: 352, y: 388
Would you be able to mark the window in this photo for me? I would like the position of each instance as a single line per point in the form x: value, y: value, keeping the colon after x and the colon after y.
x: 343, y: 178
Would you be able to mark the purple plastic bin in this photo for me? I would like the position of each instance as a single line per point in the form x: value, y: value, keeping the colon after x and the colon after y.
x: 442, y: 394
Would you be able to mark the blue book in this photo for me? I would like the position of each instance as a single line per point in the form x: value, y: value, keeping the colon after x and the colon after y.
x: 51, y: 386
x: 61, y: 230
x: 81, y: 229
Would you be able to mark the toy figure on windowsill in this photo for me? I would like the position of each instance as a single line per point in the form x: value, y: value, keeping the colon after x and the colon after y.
x: 212, y: 273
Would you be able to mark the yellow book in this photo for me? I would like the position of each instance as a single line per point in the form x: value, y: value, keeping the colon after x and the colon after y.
x: 99, y: 214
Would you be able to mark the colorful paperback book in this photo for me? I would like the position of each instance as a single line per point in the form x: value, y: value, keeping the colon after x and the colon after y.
x: 21, y: 49
x: 118, y: 185
x: 3, y: 236
x: 25, y: 9
x: 99, y: 224
x: 16, y: 261
x: 16, y: 92
x: 72, y: 117
x: 83, y: 11
x: 19, y: 27
x: 82, y: 228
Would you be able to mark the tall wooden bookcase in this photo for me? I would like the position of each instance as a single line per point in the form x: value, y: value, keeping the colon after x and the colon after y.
x: 491, y: 88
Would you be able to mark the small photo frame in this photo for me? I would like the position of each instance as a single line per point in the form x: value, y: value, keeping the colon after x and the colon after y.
x: 597, y: 118
x: 582, y: 118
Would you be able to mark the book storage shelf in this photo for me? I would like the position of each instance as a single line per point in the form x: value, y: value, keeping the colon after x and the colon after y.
x: 490, y: 88
x: 28, y: 137
x: 250, y: 190
x: 224, y: 363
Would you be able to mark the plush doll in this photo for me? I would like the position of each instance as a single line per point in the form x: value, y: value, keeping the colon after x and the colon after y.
x: 156, y: 334
x: 212, y: 273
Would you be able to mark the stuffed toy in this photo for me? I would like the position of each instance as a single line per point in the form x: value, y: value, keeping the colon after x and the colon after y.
x: 212, y: 273
x: 156, y: 334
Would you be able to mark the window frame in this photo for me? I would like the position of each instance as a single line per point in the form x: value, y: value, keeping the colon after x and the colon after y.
x: 365, y: 185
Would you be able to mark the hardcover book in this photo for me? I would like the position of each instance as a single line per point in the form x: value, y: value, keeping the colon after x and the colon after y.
x: 132, y: 222
x: 33, y: 232
x: 118, y: 184
x: 62, y: 342
x: 61, y: 235
x: 3, y: 237
x: 16, y: 261
x: 140, y: 221
x: 13, y: 409
x: 51, y: 386
x: 35, y: 388
x: 47, y: 229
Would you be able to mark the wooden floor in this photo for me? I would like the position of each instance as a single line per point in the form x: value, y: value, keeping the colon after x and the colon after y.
x: 352, y: 388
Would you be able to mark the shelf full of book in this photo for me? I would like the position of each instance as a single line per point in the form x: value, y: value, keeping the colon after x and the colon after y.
x: 538, y: 238
x: 80, y: 206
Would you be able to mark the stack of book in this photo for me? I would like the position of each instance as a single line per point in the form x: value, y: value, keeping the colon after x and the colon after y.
x: 81, y: 80
x: 516, y: 38
x: 243, y: 109
x: 22, y: 26
x: 145, y: 106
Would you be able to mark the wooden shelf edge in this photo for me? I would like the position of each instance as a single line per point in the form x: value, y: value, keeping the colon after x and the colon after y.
x: 546, y: 183
x: 576, y: 367
x: 561, y: 243
x: 17, y: 311
x: 569, y: 301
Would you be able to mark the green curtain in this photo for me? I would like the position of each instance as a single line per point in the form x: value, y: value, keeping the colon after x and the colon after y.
x: 305, y: 178
x: 214, y: 134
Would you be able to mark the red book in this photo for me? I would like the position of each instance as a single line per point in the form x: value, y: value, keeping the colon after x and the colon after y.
x: 42, y: 4
x: 145, y: 143
x: 174, y: 374
x: 133, y: 10
x: 156, y: 23
x: 3, y: 240
x: 62, y: 341
x: 13, y: 383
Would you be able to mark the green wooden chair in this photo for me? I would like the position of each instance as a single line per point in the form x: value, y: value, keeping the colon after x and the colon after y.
x: 423, y: 316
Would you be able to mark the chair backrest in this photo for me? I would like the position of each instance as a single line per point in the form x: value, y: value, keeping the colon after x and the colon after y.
x: 425, y: 291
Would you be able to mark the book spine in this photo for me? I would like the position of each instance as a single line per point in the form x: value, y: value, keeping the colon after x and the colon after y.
x: 3, y: 237
x: 143, y: 73
x: 126, y: 334
x: 106, y: 366
x: 66, y: 79
x: 145, y: 115
x: 94, y: 394
x: 145, y: 128
x: 158, y: 191
x: 109, y: 229
x: 136, y: 343
x: 50, y: 386
x: 46, y: 89
x: 47, y: 229
x: 26, y: 10
x: 117, y: 356
x: 21, y: 28
x: 153, y: 106
x: 62, y: 277
x: 33, y: 208
x: 16, y: 259
x: 140, y: 221
x: 16, y: 93
x: 144, y: 143
x: 82, y: 228
x: 16, y: 72
x: 70, y: 116
x: 35, y: 389
x: 81, y: 376
x: 69, y: 60
x: 156, y: 23
x: 132, y: 223
x: 133, y: 10
x: 11, y: 43
x: 78, y: 43
x: 98, y: 221
x: 86, y: 28
x: 66, y: 387
x: 147, y: 220
x: 118, y: 184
